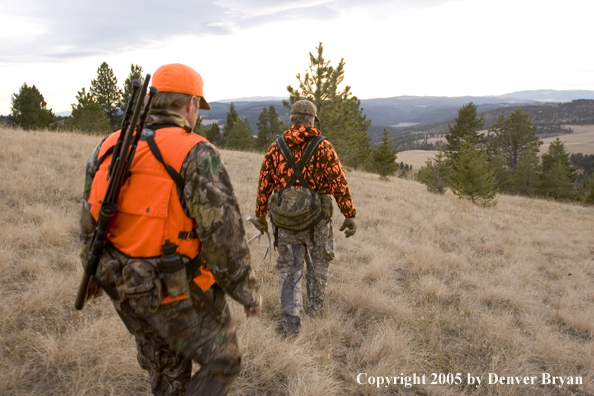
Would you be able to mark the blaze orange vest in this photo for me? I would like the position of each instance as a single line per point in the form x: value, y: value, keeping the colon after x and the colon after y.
x: 149, y: 210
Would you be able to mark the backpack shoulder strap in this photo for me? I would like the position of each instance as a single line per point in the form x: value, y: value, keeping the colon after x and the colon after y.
x: 150, y: 139
x: 286, y: 152
x: 309, y: 150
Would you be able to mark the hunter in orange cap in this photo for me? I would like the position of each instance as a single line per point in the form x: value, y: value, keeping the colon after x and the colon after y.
x: 176, y: 246
x: 179, y: 78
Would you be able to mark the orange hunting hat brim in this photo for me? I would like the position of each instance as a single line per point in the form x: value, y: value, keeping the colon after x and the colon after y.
x: 179, y: 78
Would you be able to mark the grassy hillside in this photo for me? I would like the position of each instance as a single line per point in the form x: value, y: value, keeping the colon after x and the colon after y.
x: 430, y: 284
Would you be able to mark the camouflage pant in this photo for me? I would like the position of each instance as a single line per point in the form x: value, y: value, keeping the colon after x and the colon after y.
x: 177, y: 334
x: 294, y: 249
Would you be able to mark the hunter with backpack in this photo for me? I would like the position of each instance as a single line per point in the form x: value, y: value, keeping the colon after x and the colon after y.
x: 299, y: 175
x: 162, y: 235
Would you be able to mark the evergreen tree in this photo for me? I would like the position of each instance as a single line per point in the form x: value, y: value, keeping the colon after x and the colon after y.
x: 269, y: 128
x: 589, y: 199
x: 513, y: 137
x: 29, y: 109
x: 341, y: 116
x: 88, y: 115
x: 471, y: 177
x: 513, y: 153
x: 199, y: 128
x: 383, y: 157
x: 525, y: 180
x: 107, y: 93
x: 263, y: 131
x: 135, y: 74
x: 435, y: 173
x: 558, y: 174
x: 466, y: 128
x: 277, y: 126
x: 213, y: 134
x: 232, y: 118
x: 239, y: 137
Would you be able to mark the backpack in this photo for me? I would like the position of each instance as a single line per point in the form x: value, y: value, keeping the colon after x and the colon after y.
x: 296, y: 209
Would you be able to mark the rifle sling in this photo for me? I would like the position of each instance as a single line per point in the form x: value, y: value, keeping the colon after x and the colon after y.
x: 172, y: 172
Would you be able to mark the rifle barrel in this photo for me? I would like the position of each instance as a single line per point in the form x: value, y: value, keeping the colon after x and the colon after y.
x: 108, y: 209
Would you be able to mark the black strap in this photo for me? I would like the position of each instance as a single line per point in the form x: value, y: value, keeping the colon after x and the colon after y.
x: 155, y: 127
x: 297, y: 175
x: 102, y: 158
x: 150, y: 139
x: 193, y: 265
x: 187, y: 235
x: 308, y: 152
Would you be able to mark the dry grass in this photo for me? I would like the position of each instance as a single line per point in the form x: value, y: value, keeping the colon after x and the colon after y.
x: 416, y: 158
x: 430, y: 284
x: 580, y: 141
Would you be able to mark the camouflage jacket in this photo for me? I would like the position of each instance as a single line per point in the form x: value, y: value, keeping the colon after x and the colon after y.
x: 323, y: 172
x: 208, y: 198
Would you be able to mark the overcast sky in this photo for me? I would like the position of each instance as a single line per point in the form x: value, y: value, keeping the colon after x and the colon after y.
x: 256, y: 47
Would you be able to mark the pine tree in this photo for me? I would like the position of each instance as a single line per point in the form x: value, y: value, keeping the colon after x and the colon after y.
x: 239, y: 137
x: 471, y: 177
x: 199, y: 128
x: 341, y: 116
x: 435, y: 173
x: 264, y: 132
x: 589, y: 199
x: 29, y: 109
x: 558, y: 174
x: 383, y: 157
x: 88, y: 115
x: 277, y: 126
x: 514, y: 136
x: 135, y: 74
x: 466, y: 128
x: 213, y: 134
x: 107, y: 93
x: 232, y: 118
x: 269, y: 128
x: 525, y: 180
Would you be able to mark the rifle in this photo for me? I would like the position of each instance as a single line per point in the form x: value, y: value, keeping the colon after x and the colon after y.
x: 119, y: 169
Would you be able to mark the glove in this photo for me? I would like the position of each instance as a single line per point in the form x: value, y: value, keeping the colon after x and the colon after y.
x: 255, y: 311
x: 350, y: 224
x: 260, y: 223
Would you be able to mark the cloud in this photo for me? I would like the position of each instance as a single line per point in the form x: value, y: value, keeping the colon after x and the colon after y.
x: 37, y: 30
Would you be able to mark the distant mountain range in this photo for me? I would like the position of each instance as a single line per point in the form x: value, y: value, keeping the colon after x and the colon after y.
x: 402, y: 111
x: 397, y: 112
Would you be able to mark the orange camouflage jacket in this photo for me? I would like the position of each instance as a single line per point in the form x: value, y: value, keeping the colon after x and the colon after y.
x: 323, y: 172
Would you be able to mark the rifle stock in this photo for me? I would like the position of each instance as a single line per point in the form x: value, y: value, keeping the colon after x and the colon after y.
x: 122, y: 158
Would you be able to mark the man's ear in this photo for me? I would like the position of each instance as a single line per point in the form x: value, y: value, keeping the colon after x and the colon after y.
x: 191, y: 103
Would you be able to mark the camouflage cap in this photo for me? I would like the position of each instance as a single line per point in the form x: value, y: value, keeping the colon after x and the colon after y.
x: 304, y: 107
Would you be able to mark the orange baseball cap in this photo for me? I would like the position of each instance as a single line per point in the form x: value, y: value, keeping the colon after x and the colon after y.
x: 179, y: 78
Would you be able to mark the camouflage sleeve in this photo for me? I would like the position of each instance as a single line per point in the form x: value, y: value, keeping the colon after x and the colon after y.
x: 209, y: 199
x: 266, y: 181
x: 336, y: 178
x: 87, y: 222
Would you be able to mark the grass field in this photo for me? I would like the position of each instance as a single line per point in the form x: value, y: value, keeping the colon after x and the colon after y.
x: 580, y: 141
x: 428, y: 285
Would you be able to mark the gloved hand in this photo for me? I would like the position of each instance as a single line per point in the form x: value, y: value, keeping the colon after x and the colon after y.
x: 255, y: 311
x: 94, y: 291
x: 260, y: 223
x: 350, y: 224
